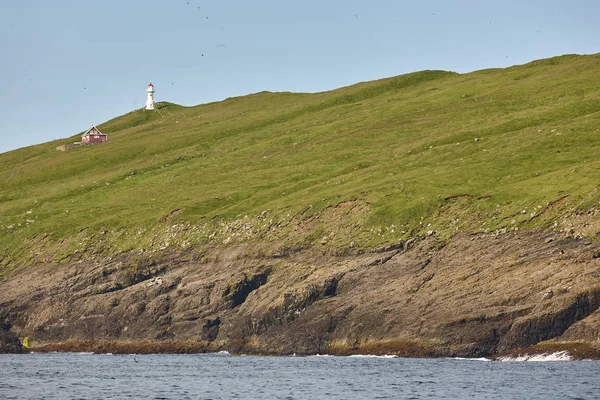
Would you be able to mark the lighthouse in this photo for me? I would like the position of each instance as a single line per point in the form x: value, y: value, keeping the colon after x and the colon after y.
x: 150, y: 97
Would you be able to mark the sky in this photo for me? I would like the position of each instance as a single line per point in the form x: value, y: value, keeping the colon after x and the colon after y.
x: 66, y: 65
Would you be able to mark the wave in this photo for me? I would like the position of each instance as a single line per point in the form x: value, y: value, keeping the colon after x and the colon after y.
x: 470, y: 359
x: 373, y: 356
x: 357, y: 356
x: 545, y: 357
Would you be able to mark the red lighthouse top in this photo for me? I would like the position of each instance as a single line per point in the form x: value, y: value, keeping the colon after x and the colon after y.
x: 151, y: 84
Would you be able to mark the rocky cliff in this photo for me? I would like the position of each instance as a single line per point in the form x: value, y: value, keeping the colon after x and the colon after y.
x: 471, y: 295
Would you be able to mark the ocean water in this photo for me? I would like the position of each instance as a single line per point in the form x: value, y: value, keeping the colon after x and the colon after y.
x: 221, y: 376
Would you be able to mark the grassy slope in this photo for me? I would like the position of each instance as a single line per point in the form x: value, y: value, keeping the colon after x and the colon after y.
x: 513, y: 139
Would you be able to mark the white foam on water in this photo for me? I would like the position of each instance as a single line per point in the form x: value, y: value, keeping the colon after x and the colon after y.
x: 373, y: 356
x: 224, y: 352
x: 471, y: 359
x: 545, y: 357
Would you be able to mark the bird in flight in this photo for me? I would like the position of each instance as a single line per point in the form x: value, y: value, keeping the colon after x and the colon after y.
x: 221, y: 45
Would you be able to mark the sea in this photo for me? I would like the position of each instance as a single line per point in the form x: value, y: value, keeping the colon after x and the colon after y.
x: 223, y: 376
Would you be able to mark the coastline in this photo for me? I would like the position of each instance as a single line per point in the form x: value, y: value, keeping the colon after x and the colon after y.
x: 573, y: 351
x: 471, y: 296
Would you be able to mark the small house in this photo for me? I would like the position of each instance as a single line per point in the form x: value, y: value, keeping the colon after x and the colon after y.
x: 93, y: 135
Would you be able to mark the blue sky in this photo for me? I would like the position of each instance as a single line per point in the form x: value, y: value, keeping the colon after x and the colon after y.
x: 67, y: 65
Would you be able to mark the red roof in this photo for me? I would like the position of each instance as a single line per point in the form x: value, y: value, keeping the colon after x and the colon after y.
x: 151, y: 84
x: 95, y: 130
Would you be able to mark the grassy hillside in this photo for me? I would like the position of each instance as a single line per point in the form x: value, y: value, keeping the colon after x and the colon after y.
x: 363, y: 165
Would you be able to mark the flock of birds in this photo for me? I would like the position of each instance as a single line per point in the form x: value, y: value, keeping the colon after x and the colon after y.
x: 356, y: 16
x: 223, y: 45
x: 217, y: 46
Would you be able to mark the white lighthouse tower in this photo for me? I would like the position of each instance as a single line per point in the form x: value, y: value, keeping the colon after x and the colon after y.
x: 150, y: 97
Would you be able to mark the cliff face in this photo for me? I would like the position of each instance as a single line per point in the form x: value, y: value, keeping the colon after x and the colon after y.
x: 473, y: 295
x: 9, y: 343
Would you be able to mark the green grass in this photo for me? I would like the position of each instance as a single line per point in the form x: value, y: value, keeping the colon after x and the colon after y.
x: 510, y: 139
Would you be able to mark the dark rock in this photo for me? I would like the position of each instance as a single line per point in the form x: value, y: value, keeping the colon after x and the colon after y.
x: 210, y: 330
x: 237, y: 293
x: 9, y: 342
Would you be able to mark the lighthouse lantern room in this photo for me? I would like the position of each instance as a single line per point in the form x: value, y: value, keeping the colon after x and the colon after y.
x: 150, y: 97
